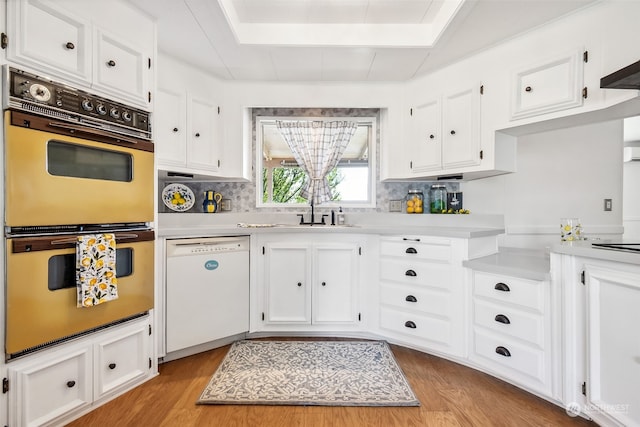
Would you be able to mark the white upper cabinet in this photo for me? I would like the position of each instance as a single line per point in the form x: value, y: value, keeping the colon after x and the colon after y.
x: 552, y: 84
x: 204, y: 139
x: 89, y: 44
x: 120, y: 66
x: 33, y: 43
x: 425, y: 137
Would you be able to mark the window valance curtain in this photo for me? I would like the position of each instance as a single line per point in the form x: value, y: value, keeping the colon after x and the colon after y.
x: 317, y: 147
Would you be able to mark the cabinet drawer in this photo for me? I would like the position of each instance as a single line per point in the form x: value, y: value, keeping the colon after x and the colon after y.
x: 49, y: 387
x: 121, y: 360
x: 416, y: 272
x: 417, y: 299
x: 439, y: 250
x: 510, y: 358
x: 415, y: 325
x: 523, y: 292
x: 510, y: 321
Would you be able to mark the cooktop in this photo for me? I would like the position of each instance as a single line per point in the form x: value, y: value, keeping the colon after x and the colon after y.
x: 628, y: 247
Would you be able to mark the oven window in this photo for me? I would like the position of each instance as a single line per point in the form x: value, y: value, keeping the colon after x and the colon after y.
x: 78, y: 161
x: 62, y: 268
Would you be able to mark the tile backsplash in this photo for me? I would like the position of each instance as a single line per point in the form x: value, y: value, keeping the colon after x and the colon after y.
x: 243, y: 194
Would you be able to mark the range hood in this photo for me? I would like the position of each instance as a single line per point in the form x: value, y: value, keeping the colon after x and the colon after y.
x: 626, y: 78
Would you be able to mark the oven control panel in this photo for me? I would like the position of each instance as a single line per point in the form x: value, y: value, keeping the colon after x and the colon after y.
x: 26, y: 91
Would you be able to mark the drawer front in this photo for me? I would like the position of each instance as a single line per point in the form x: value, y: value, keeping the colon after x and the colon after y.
x: 121, y: 360
x: 412, y: 249
x: 417, y: 273
x: 47, y: 390
x: 423, y: 327
x: 417, y: 299
x: 511, y: 359
x: 510, y: 321
x: 526, y: 293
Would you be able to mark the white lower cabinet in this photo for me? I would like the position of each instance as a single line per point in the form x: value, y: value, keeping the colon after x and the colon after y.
x: 55, y: 386
x: 308, y: 281
x: 613, y: 344
x: 511, y: 330
x: 422, y: 292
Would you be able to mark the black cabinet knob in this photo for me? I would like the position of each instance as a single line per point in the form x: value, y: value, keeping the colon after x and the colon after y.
x: 70, y: 46
x: 501, y: 318
x: 324, y: 283
x: 175, y: 129
x: 432, y: 136
x: 502, y: 287
x: 197, y: 134
x: 299, y: 284
x: 112, y: 366
x: 528, y: 89
x: 453, y: 132
x: 410, y: 273
x: 411, y: 251
x: 410, y: 324
x: 503, y: 351
x: 71, y: 383
x: 111, y: 63
x: 411, y: 298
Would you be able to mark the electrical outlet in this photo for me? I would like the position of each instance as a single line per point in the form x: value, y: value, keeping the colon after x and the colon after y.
x: 225, y: 205
x: 607, y: 205
x: 395, y: 205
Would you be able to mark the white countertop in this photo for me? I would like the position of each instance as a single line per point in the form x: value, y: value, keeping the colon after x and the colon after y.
x: 583, y: 248
x: 203, y: 225
x: 524, y: 263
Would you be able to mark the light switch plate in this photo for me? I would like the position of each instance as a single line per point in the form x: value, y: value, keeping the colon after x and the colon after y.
x: 607, y: 205
x: 395, y: 205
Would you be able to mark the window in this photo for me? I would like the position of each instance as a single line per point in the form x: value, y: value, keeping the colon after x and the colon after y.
x: 352, y: 182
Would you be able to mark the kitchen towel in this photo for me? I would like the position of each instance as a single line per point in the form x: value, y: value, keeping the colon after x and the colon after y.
x: 96, y: 269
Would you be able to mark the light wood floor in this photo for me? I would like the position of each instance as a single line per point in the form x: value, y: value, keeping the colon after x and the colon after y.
x: 450, y: 395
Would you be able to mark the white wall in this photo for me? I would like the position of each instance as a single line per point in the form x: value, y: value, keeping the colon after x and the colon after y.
x: 561, y: 173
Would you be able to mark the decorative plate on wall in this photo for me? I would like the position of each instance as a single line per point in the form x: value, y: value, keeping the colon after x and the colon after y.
x: 178, y: 197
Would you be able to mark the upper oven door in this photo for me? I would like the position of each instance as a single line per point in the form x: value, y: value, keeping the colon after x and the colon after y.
x: 52, y: 178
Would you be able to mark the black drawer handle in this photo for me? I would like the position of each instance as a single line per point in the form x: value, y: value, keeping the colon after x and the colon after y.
x: 502, y: 351
x: 410, y: 273
x: 299, y: 284
x: 501, y: 287
x: 410, y: 324
x: 71, y: 383
x: 112, y: 366
x: 410, y: 240
x: 411, y: 298
x: 501, y: 318
x: 411, y: 251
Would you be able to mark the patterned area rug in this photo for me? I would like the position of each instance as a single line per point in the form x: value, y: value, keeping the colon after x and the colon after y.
x: 326, y: 373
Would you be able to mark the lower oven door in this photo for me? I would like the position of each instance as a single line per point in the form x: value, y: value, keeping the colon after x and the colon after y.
x: 42, y: 293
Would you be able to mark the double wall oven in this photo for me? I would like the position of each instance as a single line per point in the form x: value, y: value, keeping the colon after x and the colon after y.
x: 75, y: 164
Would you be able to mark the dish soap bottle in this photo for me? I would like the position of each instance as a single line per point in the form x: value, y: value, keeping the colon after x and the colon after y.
x: 210, y: 205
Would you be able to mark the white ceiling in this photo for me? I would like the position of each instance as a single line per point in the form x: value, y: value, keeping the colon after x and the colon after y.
x: 339, y: 40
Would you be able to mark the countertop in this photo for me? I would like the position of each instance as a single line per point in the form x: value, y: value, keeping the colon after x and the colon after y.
x: 583, y: 248
x: 203, y: 225
x: 523, y: 263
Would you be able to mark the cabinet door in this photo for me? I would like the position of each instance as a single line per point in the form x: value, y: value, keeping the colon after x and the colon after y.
x: 47, y: 38
x: 203, y: 150
x: 425, y: 137
x: 49, y: 387
x: 552, y: 85
x: 170, y: 128
x: 122, y: 358
x: 461, y: 128
x: 335, y: 283
x: 613, y: 381
x: 288, y: 284
x: 121, y: 67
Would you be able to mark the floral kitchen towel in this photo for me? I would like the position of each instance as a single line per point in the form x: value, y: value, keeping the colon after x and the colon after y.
x: 96, y: 269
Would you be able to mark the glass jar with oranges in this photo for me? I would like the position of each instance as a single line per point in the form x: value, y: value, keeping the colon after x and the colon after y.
x: 414, y: 202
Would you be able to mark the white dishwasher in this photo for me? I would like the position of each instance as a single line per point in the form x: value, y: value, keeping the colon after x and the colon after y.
x: 207, y: 295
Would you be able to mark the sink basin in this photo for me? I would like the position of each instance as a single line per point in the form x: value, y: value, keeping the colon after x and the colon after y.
x: 316, y: 226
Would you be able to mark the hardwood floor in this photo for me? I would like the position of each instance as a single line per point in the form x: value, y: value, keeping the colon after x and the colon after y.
x: 450, y: 395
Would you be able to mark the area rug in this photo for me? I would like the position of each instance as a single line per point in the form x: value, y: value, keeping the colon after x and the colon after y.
x: 323, y: 373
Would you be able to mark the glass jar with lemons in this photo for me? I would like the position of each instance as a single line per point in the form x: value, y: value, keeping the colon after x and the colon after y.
x: 415, y: 202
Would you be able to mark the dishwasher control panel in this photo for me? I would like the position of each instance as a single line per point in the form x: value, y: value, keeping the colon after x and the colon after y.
x: 206, y: 245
